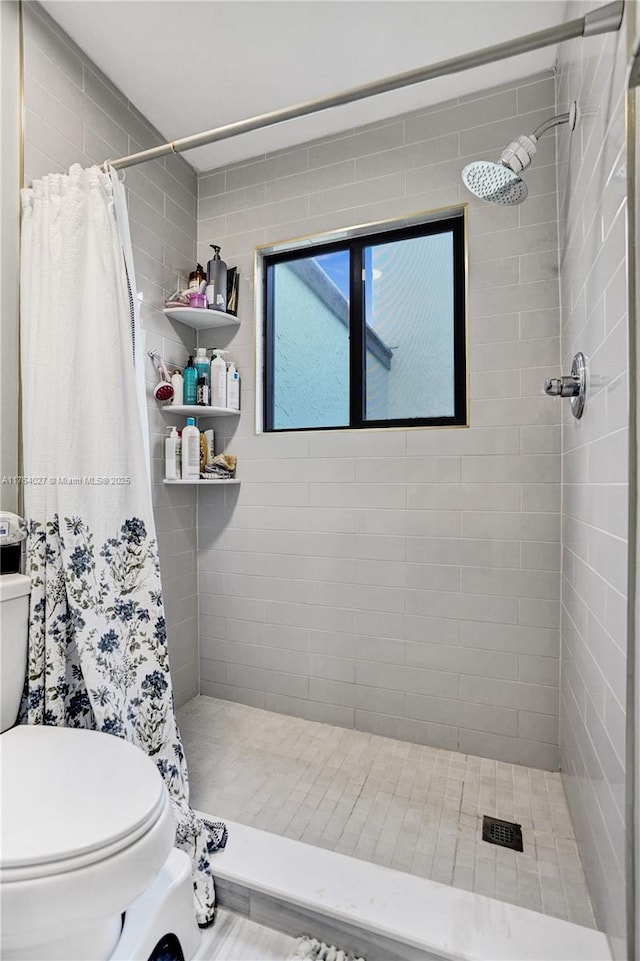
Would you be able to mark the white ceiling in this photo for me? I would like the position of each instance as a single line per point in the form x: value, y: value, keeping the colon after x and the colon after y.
x: 192, y: 65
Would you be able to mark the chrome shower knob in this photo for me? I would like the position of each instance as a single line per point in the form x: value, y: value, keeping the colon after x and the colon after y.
x: 561, y: 387
x: 573, y: 386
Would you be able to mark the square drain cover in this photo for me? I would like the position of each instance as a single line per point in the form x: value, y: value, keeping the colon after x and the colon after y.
x: 505, y: 833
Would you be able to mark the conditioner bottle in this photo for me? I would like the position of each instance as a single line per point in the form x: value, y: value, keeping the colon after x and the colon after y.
x: 190, y: 451
x: 172, y: 455
x: 218, y: 379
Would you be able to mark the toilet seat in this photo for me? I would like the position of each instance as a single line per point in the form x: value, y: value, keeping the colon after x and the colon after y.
x: 73, y: 798
x: 87, y: 826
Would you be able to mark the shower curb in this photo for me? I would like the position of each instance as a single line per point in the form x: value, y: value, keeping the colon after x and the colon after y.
x: 381, y: 913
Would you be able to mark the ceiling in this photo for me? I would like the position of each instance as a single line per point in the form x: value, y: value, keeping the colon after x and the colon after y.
x: 192, y: 65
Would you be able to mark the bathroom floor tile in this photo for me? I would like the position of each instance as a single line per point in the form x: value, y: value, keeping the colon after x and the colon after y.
x: 415, y: 808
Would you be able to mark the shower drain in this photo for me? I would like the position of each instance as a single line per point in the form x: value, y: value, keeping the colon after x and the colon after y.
x: 505, y: 833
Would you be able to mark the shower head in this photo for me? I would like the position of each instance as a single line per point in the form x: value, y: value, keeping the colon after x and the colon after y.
x: 500, y: 183
x: 495, y: 183
x: 164, y: 390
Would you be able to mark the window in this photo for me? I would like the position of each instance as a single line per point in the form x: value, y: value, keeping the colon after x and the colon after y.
x: 367, y: 331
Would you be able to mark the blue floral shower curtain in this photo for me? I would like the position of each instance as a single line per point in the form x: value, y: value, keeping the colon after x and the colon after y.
x: 97, y: 641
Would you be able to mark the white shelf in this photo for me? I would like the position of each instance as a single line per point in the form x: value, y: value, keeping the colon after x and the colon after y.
x: 198, y: 410
x: 209, y: 483
x: 200, y: 317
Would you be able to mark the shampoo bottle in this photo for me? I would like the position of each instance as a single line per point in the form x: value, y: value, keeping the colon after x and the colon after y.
x: 201, y: 363
x: 218, y: 379
x: 171, y: 455
x: 233, y: 387
x: 216, y: 281
x: 190, y: 383
x: 190, y: 450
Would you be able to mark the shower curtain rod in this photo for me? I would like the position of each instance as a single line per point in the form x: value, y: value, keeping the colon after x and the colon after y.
x: 603, y: 20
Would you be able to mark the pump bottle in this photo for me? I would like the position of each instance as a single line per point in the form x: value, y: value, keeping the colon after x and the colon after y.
x: 216, y: 290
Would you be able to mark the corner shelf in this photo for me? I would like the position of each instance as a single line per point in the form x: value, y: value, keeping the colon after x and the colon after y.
x: 200, y: 318
x: 209, y: 483
x: 199, y: 410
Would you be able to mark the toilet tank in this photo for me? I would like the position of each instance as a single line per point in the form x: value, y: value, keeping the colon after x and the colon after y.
x: 14, y: 624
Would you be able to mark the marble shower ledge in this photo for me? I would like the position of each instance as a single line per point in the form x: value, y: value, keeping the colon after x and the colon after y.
x: 200, y: 318
x: 424, y: 917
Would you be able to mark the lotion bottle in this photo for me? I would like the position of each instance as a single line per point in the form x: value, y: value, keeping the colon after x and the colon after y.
x: 171, y: 459
x: 177, y: 382
x: 233, y: 387
x: 218, y: 378
x: 190, y: 450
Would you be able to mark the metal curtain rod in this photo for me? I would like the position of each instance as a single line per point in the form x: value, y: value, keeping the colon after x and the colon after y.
x: 603, y: 20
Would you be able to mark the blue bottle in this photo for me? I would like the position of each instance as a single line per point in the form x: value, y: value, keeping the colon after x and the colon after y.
x: 190, y: 383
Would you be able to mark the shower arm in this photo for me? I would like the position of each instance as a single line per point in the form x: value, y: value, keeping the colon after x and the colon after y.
x: 568, y: 117
x: 603, y: 20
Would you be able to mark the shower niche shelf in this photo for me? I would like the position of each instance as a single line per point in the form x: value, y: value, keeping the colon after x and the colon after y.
x: 199, y: 410
x: 200, y: 318
x: 209, y: 483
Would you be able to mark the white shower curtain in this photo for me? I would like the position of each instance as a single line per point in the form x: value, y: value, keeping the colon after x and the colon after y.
x: 97, y: 641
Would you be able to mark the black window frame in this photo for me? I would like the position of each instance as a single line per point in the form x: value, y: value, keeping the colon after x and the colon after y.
x: 453, y: 224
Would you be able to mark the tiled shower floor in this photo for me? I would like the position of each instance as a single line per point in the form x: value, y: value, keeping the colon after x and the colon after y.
x: 414, y: 808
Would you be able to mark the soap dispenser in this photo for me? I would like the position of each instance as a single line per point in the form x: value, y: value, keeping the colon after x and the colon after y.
x: 216, y: 291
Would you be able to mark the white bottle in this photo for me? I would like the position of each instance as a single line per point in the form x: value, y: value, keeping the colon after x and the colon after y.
x: 171, y: 455
x: 177, y: 382
x: 190, y: 450
x: 209, y: 437
x: 218, y: 394
x: 233, y: 387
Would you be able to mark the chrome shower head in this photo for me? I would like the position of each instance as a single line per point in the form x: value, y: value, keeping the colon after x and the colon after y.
x: 500, y: 183
x: 494, y: 183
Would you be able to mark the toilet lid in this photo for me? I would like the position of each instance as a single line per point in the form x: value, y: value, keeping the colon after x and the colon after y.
x: 70, y: 794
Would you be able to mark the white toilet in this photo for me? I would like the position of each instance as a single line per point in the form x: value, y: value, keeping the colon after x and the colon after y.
x: 88, y: 871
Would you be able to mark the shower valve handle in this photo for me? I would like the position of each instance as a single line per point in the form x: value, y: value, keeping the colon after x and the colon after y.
x: 562, y: 386
x: 573, y: 386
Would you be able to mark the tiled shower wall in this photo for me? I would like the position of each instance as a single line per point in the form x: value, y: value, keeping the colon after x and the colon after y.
x: 592, y: 192
x: 405, y: 582
x: 73, y: 114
